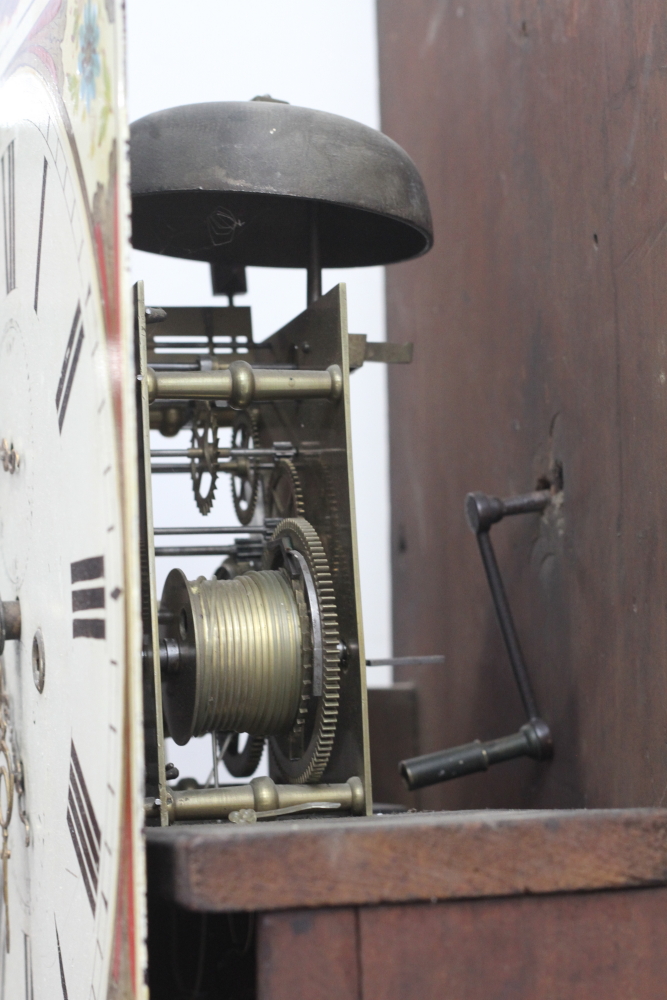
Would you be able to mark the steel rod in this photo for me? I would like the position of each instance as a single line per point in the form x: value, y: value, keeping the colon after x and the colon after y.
x: 175, y: 366
x: 406, y: 661
x: 527, y: 503
x: 170, y: 468
x: 233, y: 529
x: 314, y: 281
x: 219, y: 467
x: 196, y: 550
x: 223, y: 452
x: 506, y: 623
x: 195, y: 366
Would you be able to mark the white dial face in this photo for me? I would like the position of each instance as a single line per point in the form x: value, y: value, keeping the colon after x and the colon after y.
x: 61, y: 556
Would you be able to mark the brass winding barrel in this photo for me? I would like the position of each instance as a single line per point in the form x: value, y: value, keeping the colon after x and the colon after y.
x: 246, y: 635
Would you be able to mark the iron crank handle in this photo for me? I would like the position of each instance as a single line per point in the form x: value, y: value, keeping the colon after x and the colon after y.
x: 532, y: 740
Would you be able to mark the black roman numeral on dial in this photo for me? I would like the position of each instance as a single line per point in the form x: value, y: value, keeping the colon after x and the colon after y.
x: 88, y: 598
x: 9, y: 216
x: 68, y: 370
x: 60, y: 963
x: 83, y: 828
x: 41, y: 230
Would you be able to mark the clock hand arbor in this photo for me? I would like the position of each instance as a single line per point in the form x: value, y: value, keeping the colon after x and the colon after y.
x: 9, y: 457
x: 10, y: 622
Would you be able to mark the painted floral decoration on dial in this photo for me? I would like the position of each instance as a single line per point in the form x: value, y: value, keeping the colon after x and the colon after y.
x: 89, y: 59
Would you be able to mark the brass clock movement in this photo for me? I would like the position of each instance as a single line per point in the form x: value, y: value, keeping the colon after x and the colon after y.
x: 97, y: 665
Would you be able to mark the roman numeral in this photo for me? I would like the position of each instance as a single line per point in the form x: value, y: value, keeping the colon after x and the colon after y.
x: 84, y: 830
x: 68, y: 370
x: 88, y: 598
x: 60, y: 963
x: 9, y: 216
x: 41, y: 228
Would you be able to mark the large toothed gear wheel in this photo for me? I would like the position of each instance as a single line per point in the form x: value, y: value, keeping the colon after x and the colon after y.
x: 243, y: 763
x: 205, y: 440
x: 301, y: 756
x: 285, y: 492
x: 245, y: 485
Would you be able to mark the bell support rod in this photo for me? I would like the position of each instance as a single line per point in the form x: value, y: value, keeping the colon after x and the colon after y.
x: 534, y: 738
x: 314, y: 277
x: 261, y: 795
x: 242, y: 385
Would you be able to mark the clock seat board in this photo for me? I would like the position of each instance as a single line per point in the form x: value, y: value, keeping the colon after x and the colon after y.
x: 72, y: 919
x: 537, y: 903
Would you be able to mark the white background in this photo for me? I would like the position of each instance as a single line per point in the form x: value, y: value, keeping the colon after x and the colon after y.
x: 315, y: 54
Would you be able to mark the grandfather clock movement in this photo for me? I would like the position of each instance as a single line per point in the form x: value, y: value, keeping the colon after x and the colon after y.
x: 98, y: 664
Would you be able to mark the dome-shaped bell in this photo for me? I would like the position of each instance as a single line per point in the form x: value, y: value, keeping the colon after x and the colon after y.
x: 239, y: 183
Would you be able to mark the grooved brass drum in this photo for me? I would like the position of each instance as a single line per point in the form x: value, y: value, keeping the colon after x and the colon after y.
x: 245, y: 676
x: 258, y: 654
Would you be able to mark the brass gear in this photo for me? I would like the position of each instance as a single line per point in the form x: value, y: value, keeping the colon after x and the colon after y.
x: 336, y: 552
x: 285, y: 492
x: 303, y: 754
x: 245, y: 487
x: 204, y: 439
x: 243, y: 763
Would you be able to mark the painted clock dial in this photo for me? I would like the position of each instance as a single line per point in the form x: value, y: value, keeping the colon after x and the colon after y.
x: 63, y: 556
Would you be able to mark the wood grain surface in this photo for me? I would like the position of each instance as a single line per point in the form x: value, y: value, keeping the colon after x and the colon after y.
x: 393, y: 730
x: 540, y: 340
x: 427, y: 856
x: 308, y: 954
x: 576, y: 947
x: 597, y: 946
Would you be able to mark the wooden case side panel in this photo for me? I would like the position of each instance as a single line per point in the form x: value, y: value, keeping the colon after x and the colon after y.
x: 572, y: 947
x: 538, y: 322
x: 307, y: 953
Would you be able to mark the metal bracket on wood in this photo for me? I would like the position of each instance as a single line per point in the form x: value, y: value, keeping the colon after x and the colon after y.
x: 534, y: 738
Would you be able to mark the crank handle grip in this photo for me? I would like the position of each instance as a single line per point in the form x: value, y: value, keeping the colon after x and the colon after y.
x: 533, y: 740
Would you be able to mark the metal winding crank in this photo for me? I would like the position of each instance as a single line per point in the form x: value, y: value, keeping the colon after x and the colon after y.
x: 534, y: 738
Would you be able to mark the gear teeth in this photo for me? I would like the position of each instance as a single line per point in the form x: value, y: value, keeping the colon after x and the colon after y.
x: 205, y: 422
x: 286, y: 467
x: 245, y: 763
x: 246, y: 421
x: 317, y: 754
